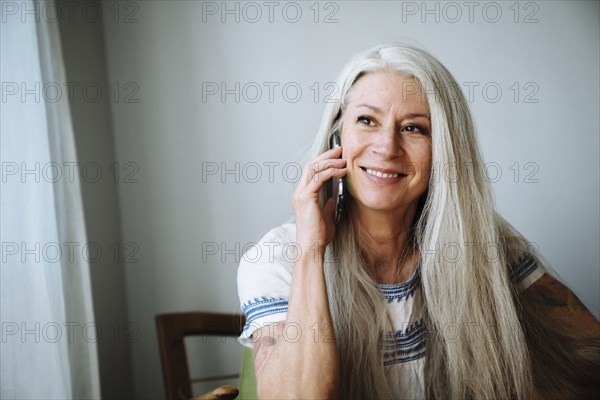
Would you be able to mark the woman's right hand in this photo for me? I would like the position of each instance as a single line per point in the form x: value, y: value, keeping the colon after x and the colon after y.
x: 304, y: 368
x: 316, y: 227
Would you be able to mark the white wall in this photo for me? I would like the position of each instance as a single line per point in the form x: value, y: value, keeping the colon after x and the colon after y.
x: 84, y: 58
x: 169, y: 52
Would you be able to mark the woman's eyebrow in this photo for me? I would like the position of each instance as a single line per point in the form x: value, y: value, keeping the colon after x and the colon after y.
x: 417, y: 116
x: 378, y: 110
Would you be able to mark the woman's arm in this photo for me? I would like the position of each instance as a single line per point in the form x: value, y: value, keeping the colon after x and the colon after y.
x: 549, y: 295
x: 299, y: 358
x: 564, y: 341
x: 292, y: 359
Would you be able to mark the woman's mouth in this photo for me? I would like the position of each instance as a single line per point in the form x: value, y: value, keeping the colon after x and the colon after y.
x: 383, y: 176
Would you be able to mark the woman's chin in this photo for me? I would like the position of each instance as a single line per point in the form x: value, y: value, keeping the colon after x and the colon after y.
x: 381, y: 205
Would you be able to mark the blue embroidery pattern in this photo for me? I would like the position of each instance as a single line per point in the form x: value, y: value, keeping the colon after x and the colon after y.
x: 263, y: 306
x: 399, y: 291
x: 404, y: 346
x: 522, y: 268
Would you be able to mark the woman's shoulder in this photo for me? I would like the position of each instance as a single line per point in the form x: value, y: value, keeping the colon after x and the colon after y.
x: 525, y: 270
x: 264, y: 279
x: 282, y: 234
x: 275, y: 249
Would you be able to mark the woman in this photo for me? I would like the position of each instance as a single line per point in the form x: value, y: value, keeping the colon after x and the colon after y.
x: 421, y: 289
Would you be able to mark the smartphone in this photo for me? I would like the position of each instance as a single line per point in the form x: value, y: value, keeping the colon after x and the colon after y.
x: 337, y: 184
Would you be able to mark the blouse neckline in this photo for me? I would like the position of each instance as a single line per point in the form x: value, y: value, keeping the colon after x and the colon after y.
x: 398, y: 291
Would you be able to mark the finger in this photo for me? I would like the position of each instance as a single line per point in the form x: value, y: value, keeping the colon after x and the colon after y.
x: 309, y: 188
x: 320, y: 178
x: 331, y: 153
x: 320, y: 166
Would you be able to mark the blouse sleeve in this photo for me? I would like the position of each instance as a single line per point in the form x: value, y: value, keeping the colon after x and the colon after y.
x: 525, y: 271
x: 264, y: 280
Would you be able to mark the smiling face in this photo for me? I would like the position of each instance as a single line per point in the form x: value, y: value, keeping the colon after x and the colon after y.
x: 386, y: 140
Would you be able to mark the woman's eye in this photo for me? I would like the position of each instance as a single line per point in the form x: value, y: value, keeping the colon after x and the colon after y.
x: 365, y: 120
x: 415, y: 129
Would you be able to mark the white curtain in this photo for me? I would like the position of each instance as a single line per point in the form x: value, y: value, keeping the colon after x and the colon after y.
x: 48, y: 346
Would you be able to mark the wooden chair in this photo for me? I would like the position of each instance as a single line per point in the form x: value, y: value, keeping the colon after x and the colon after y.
x: 172, y: 329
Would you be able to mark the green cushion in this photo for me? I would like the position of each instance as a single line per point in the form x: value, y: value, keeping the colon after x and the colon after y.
x: 247, y: 376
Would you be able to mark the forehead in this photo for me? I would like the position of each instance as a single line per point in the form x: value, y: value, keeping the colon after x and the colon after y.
x: 383, y: 89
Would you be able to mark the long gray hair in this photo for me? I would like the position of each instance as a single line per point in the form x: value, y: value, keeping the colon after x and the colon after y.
x: 471, y: 291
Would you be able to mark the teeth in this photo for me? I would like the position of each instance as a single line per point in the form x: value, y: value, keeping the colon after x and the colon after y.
x: 380, y: 174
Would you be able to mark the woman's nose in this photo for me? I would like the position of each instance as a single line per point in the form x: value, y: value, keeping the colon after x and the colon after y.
x: 387, y: 142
